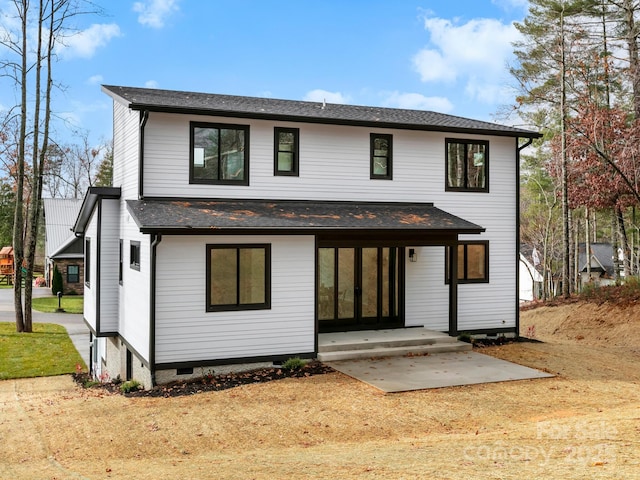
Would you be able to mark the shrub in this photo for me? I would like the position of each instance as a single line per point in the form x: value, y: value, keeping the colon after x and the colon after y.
x: 129, y: 386
x: 294, y: 363
x: 56, y: 282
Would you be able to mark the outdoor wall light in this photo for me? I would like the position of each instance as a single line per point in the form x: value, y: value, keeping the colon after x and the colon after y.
x: 413, y: 256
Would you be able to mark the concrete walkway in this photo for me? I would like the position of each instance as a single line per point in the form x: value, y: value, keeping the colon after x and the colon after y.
x: 402, y: 374
x: 78, y: 331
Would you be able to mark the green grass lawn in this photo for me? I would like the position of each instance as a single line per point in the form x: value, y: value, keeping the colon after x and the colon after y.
x: 70, y: 304
x: 45, y: 352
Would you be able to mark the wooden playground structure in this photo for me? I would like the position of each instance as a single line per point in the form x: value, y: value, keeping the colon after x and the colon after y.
x: 6, y: 265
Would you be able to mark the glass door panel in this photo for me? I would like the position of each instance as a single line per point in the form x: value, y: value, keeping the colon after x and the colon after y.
x: 346, y: 283
x: 359, y: 288
x: 326, y: 283
x: 369, y: 284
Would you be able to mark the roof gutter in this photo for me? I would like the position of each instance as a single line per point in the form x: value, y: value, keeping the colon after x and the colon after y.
x: 144, y: 116
x: 155, y: 241
x: 519, y: 149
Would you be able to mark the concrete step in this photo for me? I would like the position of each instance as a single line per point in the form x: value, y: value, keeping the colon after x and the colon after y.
x: 382, y: 351
x: 365, y: 344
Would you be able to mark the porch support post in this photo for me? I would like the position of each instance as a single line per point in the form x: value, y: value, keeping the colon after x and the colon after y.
x: 453, y: 289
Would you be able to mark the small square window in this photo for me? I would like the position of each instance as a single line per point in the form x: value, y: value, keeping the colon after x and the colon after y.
x: 134, y: 255
x: 381, y: 156
x: 286, y: 151
x: 467, y: 165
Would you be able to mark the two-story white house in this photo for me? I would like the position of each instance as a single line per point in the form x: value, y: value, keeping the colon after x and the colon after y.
x: 238, y: 229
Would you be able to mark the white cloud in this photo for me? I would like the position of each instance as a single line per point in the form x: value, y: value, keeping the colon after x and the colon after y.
x: 319, y: 95
x: 475, y: 52
x: 154, y: 13
x: 417, y: 101
x: 151, y: 84
x: 85, y: 43
x: 95, y: 80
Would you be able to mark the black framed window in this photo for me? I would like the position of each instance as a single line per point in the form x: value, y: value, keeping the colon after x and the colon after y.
x: 381, y: 156
x: 467, y: 165
x: 73, y: 273
x: 134, y: 255
x: 120, y: 262
x: 238, y: 277
x: 286, y: 150
x: 219, y: 154
x: 473, y: 262
x: 87, y: 261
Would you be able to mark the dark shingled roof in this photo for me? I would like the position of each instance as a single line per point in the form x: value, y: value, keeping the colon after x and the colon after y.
x: 307, y: 217
x: 312, y: 112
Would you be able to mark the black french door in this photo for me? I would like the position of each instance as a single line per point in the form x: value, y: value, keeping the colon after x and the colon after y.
x: 360, y: 288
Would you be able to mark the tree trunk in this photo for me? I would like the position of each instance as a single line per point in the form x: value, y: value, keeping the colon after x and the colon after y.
x: 18, y: 220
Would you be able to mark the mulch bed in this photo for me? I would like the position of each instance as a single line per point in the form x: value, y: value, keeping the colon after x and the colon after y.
x: 212, y: 383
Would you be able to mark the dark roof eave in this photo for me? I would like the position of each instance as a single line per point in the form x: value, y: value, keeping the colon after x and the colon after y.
x: 331, y: 121
x: 185, y: 230
x: 88, y: 204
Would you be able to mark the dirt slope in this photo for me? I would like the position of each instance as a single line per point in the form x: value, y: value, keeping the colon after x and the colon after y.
x: 584, y: 323
x: 582, y: 424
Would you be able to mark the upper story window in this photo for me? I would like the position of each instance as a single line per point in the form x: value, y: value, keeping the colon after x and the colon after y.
x: 219, y: 154
x: 467, y: 165
x: 381, y: 156
x: 286, y: 151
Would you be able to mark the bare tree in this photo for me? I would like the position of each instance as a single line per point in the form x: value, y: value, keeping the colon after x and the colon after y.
x: 30, y: 67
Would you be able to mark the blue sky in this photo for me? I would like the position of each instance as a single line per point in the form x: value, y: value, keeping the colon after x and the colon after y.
x: 448, y: 56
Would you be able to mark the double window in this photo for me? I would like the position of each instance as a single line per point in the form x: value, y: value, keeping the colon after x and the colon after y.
x: 219, y: 154
x: 286, y: 151
x: 467, y: 165
x: 381, y: 156
x: 238, y: 277
x: 473, y: 262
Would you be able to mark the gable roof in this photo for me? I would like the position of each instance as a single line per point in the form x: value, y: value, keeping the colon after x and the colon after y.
x: 60, y: 215
x: 153, y: 100
x: 601, y: 258
x: 302, y: 217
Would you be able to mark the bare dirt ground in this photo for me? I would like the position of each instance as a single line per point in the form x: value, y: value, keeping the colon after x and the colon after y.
x: 584, y: 423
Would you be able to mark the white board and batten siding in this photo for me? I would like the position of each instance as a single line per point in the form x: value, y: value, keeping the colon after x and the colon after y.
x: 185, y: 331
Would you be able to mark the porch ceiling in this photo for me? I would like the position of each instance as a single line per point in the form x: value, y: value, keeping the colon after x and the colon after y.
x: 292, y: 217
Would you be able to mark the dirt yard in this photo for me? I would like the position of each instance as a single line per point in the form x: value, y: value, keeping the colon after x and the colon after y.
x: 584, y: 423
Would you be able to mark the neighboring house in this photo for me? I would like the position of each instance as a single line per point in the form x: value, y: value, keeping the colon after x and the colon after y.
x: 603, y: 270
x: 62, y: 248
x: 530, y: 281
x: 239, y: 228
